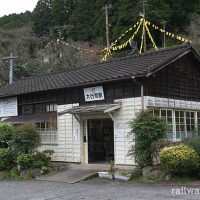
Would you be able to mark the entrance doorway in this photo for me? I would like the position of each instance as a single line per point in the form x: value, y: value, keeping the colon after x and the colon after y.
x: 100, y: 140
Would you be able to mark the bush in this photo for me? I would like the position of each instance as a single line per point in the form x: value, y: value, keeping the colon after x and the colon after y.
x: 194, y: 143
x: 158, y: 145
x: 25, y: 139
x: 6, y: 132
x: 179, y: 158
x: 5, y: 159
x: 146, y: 129
x: 25, y: 161
x: 40, y: 160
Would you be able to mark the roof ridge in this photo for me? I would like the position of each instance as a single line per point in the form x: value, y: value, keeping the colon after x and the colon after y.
x: 73, y: 70
x: 147, y: 53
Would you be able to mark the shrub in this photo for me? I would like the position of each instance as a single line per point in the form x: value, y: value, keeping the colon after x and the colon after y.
x: 5, y: 159
x: 25, y: 161
x: 158, y: 145
x: 179, y: 158
x: 40, y: 160
x: 49, y: 152
x: 40, y: 156
x: 194, y: 143
x: 146, y: 129
x: 25, y: 139
x: 112, y: 168
x: 6, y: 132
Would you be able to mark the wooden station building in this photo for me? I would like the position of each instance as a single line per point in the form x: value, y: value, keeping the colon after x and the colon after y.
x: 83, y: 113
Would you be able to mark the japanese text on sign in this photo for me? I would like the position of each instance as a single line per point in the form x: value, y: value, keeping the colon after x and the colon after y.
x: 94, y: 94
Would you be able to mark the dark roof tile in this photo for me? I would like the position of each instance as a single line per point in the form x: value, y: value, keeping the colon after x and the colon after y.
x: 137, y: 65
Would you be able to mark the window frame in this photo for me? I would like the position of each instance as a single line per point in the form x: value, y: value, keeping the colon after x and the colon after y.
x: 183, y: 121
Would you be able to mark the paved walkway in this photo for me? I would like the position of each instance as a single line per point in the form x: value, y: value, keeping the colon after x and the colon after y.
x: 75, y: 173
x: 89, y: 190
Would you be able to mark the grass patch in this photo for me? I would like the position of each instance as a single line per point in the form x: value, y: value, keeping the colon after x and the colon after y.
x: 179, y: 179
x: 136, y: 179
x: 182, y: 179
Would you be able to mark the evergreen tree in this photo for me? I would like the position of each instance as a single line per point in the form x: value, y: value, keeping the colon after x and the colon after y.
x: 83, y: 20
x: 182, y: 11
x: 61, y: 10
x: 15, y: 20
x: 42, y: 17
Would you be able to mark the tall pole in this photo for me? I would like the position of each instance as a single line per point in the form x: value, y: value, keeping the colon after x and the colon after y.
x: 107, y: 25
x: 11, y: 69
x: 10, y: 59
x: 164, y: 36
x: 144, y: 28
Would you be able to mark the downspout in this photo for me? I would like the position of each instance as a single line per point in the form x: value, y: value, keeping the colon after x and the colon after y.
x: 141, y: 91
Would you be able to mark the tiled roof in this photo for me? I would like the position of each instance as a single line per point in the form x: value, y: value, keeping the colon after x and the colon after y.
x: 125, y: 68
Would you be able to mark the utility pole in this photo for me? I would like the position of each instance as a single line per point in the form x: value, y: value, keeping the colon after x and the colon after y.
x: 107, y: 24
x: 164, y: 36
x: 144, y: 28
x: 10, y: 59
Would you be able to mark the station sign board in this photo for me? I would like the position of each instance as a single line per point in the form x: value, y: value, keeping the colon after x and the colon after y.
x: 94, y: 94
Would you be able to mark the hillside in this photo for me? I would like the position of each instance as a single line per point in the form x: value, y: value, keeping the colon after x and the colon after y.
x: 66, y: 33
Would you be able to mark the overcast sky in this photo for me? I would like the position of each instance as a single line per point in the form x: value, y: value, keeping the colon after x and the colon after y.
x: 16, y: 6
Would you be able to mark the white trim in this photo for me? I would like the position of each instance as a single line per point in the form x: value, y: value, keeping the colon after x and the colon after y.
x: 112, y: 108
x: 174, y: 124
x: 158, y: 102
x: 193, y: 126
x: 111, y: 116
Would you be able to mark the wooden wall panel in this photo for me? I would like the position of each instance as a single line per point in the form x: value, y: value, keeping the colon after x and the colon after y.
x: 180, y: 80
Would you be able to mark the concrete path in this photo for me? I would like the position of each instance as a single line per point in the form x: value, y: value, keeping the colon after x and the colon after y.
x: 74, y: 173
x: 90, y: 190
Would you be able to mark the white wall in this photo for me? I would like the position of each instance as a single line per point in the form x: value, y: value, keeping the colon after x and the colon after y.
x: 171, y: 103
x: 69, y: 134
x: 69, y: 145
x: 122, y: 117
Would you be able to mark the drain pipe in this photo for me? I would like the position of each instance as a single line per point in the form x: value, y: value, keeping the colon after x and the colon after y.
x: 141, y: 89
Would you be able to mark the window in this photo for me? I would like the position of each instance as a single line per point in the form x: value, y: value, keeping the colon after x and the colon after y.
x: 27, y: 109
x: 48, y: 130
x: 198, y: 122
x: 39, y: 108
x: 167, y: 116
x: 190, y: 123
x: 180, y: 124
x: 184, y: 124
x: 51, y: 107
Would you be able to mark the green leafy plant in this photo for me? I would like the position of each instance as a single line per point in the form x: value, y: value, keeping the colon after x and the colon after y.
x: 6, y: 132
x: 25, y: 139
x: 48, y: 152
x: 40, y: 160
x: 112, y: 168
x: 145, y: 129
x: 125, y: 173
x: 194, y: 143
x: 25, y: 161
x: 5, y: 158
x: 179, y: 158
x: 158, y: 145
x: 37, y: 164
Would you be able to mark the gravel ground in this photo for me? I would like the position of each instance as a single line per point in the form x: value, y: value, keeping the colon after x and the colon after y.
x: 88, y: 190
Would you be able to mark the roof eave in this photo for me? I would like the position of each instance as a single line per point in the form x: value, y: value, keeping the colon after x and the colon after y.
x: 73, y: 86
x: 161, y: 66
